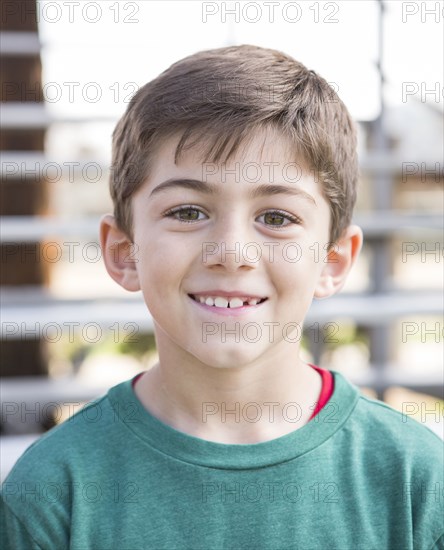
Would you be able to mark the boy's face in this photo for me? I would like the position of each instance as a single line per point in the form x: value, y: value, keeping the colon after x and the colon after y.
x: 232, y: 242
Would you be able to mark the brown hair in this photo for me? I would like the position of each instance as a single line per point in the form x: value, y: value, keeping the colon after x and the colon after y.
x: 219, y: 97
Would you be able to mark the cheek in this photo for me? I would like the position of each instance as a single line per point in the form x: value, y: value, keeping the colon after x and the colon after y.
x: 296, y: 269
x: 159, y: 253
x: 161, y: 265
x: 157, y: 270
x: 298, y: 258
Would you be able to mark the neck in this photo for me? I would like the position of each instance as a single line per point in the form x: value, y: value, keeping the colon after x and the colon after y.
x: 247, y: 404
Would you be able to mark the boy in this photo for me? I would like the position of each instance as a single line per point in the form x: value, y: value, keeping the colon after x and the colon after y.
x: 234, y: 180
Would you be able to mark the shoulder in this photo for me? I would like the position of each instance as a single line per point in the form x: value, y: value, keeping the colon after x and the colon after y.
x: 37, y: 495
x: 76, y: 447
x: 398, y: 449
x: 385, y: 439
x: 66, y: 442
x: 81, y: 443
x: 377, y: 425
x: 398, y: 463
x: 398, y: 429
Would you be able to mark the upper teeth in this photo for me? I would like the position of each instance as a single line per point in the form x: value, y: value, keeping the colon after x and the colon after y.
x: 218, y: 301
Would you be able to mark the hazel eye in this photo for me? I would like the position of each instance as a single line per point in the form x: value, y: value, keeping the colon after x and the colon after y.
x: 273, y: 218
x: 191, y: 214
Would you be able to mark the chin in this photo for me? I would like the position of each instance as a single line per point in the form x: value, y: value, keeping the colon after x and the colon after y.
x: 228, y: 356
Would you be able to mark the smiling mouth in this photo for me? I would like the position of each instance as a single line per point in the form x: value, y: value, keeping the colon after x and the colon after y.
x: 233, y: 303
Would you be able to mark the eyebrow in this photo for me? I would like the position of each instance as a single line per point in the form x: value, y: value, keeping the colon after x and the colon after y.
x: 264, y: 190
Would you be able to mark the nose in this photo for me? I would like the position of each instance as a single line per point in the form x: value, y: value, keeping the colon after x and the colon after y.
x: 232, y: 247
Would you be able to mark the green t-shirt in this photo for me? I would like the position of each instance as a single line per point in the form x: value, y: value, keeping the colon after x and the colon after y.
x: 358, y: 476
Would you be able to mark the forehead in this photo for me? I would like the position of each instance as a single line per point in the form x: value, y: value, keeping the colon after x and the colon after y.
x: 266, y: 164
x: 266, y: 147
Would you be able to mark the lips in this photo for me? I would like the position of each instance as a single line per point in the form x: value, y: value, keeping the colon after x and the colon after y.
x: 228, y: 305
x: 245, y: 295
x: 229, y: 301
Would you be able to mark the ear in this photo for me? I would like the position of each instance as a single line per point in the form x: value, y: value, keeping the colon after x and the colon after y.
x: 339, y: 260
x: 119, y: 254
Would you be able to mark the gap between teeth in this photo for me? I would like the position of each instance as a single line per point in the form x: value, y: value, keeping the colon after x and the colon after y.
x: 223, y: 302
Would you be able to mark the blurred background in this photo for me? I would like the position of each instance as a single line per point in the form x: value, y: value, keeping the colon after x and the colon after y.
x: 69, y: 70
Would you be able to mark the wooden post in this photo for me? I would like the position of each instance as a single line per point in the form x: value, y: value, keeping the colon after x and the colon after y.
x: 22, y: 193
